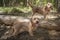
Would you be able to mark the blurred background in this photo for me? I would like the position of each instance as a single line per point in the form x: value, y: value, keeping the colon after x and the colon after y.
x: 48, y: 30
x: 9, y: 6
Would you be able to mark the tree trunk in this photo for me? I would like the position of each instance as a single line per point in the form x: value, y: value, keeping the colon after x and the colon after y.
x: 3, y: 3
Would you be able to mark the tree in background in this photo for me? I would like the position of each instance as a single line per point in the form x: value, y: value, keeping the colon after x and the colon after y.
x: 10, y: 3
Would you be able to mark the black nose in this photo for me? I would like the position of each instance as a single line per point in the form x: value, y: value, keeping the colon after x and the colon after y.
x: 37, y: 22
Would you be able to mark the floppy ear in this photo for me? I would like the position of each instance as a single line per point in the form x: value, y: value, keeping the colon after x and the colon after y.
x: 52, y: 7
x: 45, y: 7
x: 31, y: 19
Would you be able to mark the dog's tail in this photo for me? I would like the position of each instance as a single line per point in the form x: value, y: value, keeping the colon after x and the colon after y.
x: 29, y: 3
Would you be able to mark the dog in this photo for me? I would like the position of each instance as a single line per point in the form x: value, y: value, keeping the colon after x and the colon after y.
x: 41, y: 10
x: 19, y: 26
x: 48, y: 7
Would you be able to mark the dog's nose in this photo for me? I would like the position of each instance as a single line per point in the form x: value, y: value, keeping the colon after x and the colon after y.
x: 37, y: 22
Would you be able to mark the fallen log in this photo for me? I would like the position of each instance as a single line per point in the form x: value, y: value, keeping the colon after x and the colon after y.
x: 8, y: 20
x: 47, y: 24
x: 50, y: 25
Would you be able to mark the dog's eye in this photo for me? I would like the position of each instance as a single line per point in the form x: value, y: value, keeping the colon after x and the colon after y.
x: 34, y: 18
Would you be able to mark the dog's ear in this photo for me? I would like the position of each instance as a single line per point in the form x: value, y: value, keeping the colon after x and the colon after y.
x: 52, y: 7
x: 45, y: 7
x: 31, y: 19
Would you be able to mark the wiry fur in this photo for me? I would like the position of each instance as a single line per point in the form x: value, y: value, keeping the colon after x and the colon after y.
x: 19, y: 26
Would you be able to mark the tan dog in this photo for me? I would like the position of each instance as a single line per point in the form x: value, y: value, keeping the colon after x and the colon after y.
x: 48, y: 7
x: 23, y: 25
x: 41, y: 10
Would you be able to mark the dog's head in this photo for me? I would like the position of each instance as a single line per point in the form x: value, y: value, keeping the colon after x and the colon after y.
x: 35, y: 20
x: 49, y: 6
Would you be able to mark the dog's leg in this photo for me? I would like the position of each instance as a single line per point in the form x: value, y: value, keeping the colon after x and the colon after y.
x: 45, y: 16
x: 30, y: 29
x: 30, y: 32
x: 16, y: 30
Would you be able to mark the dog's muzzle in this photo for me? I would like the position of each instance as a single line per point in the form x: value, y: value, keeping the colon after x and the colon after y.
x: 37, y: 22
